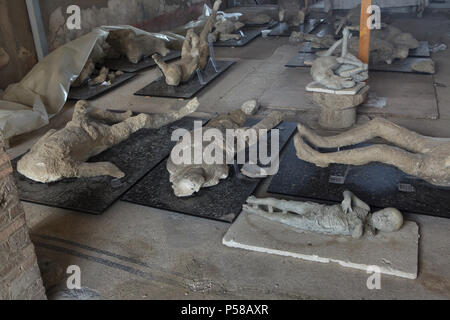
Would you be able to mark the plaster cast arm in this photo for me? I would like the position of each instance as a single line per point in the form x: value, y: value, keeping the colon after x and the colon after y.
x: 211, y: 22
x: 351, y: 201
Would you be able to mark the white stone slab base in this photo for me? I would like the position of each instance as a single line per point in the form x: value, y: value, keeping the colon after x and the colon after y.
x: 394, y: 253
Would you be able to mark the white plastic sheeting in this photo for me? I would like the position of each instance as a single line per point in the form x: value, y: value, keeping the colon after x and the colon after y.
x: 42, y: 93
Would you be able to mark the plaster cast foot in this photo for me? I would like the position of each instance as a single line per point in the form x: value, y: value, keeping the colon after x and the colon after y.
x: 306, y: 153
x: 87, y: 170
x: 110, y: 117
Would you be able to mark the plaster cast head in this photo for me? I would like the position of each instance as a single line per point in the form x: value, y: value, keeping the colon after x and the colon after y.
x: 188, y: 182
x: 387, y: 220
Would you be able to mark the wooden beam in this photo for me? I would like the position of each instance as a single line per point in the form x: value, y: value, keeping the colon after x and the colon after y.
x: 37, y: 27
x: 364, y: 32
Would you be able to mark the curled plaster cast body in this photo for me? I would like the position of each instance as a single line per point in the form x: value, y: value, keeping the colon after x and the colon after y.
x: 194, y: 55
x: 63, y: 153
x: 189, y: 178
x: 425, y: 157
x: 350, y: 218
x: 339, y: 72
x: 136, y: 47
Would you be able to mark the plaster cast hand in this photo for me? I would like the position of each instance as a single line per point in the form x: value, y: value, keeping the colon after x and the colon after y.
x: 347, y: 204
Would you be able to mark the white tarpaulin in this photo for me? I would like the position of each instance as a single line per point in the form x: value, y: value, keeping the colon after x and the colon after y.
x: 42, y: 93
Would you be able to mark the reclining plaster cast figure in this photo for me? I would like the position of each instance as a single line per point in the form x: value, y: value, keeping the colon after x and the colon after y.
x: 194, y: 55
x: 290, y: 12
x: 386, y: 44
x: 350, y: 218
x: 136, y: 47
x: 339, y: 72
x: 225, y: 29
x: 425, y: 157
x: 188, y: 179
x: 63, y: 153
x: 324, y: 42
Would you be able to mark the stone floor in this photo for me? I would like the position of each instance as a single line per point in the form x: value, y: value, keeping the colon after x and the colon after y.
x: 134, y: 252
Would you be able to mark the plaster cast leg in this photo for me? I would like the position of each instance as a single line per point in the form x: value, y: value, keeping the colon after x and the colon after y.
x: 87, y: 170
x: 405, y: 161
x: 160, y: 120
x: 108, y: 116
x: 172, y: 72
x: 378, y: 127
x: 120, y: 132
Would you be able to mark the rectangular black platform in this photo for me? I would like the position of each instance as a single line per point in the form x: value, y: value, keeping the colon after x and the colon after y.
x: 222, y: 202
x: 377, y: 184
x: 135, y: 157
x: 284, y: 30
x: 249, y: 35
x: 87, y: 92
x: 422, y: 51
x: 123, y: 64
x: 187, y: 90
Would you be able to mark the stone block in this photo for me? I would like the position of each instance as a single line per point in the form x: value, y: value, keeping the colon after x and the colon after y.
x: 393, y: 253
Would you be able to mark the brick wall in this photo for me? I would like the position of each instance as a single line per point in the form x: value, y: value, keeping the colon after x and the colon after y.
x: 20, y: 277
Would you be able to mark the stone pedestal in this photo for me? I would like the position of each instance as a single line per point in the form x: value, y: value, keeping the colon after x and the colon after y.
x: 338, y: 107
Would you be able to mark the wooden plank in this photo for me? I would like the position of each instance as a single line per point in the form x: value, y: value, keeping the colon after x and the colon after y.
x: 364, y: 34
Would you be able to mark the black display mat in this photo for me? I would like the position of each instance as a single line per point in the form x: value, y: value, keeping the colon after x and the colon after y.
x: 135, y: 157
x: 87, y: 92
x: 299, y: 60
x: 404, y: 65
x: 187, y: 90
x: 284, y: 30
x: 377, y: 184
x: 422, y: 51
x: 123, y: 64
x: 222, y: 202
x: 249, y: 35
